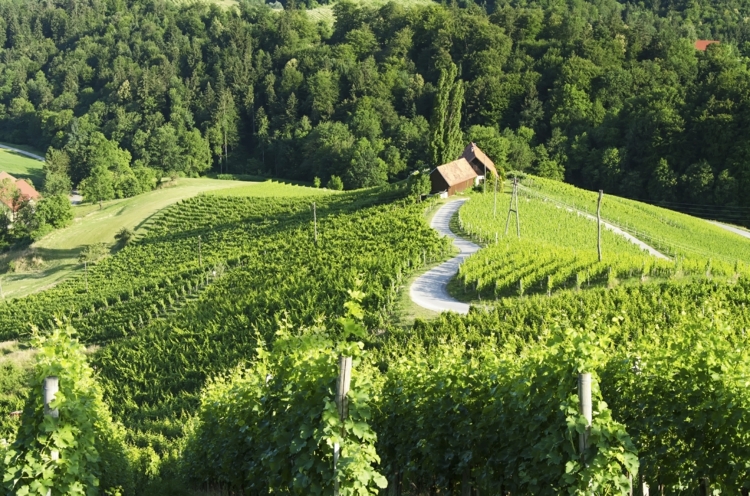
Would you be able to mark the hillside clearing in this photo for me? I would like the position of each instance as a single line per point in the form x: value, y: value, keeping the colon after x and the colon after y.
x: 324, y: 13
x: 20, y: 165
x: 56, y: 255
x: 271, y: 188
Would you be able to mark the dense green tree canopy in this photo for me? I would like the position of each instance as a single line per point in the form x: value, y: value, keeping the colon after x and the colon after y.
x: 604, y: 94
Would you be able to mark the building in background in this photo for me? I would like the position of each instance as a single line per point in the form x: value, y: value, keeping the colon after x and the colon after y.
x: 703, y: 44
x: 15, y: 192
x: 453, y: 177
x: 480, y: 162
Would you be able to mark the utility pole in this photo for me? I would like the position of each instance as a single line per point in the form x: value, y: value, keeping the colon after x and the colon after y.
x: 315, y: 223
x: 599, y: 224
x: 514, y: 210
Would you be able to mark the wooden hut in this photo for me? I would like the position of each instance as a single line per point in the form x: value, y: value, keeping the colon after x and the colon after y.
x: 478, y: 160
x: 453, y: 177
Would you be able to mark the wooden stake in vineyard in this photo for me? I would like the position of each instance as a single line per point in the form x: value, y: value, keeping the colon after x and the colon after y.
x: 315, y: 222
x: 342, y: 402
x: 584, y: 404
x: 514, y: 197
x: 49, y: 390
x: 599, y: 224
x: 200, y: 255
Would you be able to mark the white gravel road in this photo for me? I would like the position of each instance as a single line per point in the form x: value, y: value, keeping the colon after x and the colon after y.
x: 22, y: 152
x: 643, y: 246
x: 429, y: 290
x: 733, y: 229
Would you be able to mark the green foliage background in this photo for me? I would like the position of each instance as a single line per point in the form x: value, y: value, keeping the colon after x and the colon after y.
x: 603, y: 94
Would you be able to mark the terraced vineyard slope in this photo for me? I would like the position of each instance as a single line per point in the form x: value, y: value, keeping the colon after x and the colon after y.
x: 558, y: 244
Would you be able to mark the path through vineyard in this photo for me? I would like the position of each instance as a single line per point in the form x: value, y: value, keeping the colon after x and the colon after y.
x: 430, y: 289
x: 733, y: 229
x: 620, y: 232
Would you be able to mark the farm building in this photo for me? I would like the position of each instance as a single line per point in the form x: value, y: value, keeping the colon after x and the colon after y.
x: 14, y: 191
x: 478, y: 160
x: 453, y: 177
x: 703, y: 44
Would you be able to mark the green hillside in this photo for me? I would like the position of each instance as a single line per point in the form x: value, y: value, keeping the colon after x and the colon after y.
x: 216, y: 337
x: 217, y: 334
x: 558, y: 245
x: 21, y: 166
x: 54, y: 258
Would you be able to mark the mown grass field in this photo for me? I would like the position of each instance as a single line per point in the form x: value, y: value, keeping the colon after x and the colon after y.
x: 21, y: 166
x: 271, y: 188
x: 58, y: 252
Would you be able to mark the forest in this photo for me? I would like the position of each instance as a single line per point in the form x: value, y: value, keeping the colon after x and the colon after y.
x: 603, y: 94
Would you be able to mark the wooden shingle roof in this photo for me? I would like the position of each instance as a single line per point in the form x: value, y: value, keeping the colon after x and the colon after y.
x: 456, y: 172
x: 475, y: 156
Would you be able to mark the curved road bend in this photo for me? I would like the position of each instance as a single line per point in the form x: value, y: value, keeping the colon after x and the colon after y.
x: 429, y: 290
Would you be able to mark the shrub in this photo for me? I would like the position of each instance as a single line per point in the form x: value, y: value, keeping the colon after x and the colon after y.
x: 82, y: 451
x: 335, y: 183
x: 124, y: 235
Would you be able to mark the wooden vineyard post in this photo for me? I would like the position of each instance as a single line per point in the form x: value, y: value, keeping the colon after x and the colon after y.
x: 705, y: 488
x: 342, y: 403
x: 86, y: 274
x: 599, y: 224
x: 584, y: 403
x: 315, y: 223
x: 466, y: 482
x: 49, y: 390
x: 642, y: 486
x: 200, y: 254
x: 514, y: 196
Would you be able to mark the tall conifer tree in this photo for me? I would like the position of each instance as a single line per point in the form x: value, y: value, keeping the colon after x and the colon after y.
x: 445, y: 127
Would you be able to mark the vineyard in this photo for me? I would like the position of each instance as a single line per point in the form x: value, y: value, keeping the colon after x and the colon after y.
x: 678, y: 235
x: 558, y: 245
x: 221, y: 333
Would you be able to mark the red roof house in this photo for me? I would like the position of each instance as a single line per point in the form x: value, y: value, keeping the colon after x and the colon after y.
x: 9, y: 185
x: 703, y: 44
